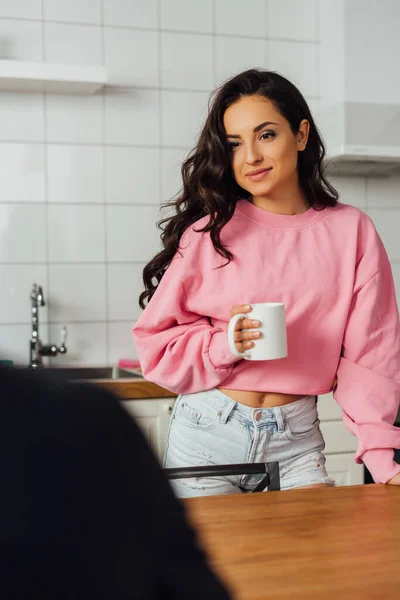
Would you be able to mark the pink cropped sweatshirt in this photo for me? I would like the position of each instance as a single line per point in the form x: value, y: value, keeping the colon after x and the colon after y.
x: 330, y: 269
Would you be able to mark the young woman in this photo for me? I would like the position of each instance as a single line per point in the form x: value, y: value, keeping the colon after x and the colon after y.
x: 257, y: 221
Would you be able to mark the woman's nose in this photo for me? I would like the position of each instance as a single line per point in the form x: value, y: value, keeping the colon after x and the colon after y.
x: 252, y: 156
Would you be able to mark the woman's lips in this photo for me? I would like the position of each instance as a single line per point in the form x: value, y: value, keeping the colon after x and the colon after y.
x: 259, y: 174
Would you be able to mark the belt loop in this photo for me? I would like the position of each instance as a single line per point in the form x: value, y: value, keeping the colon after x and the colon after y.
x: 224, y: 415
x: 279, y: 419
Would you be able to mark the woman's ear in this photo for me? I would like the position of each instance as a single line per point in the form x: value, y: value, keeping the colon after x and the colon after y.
x: 302, y: 135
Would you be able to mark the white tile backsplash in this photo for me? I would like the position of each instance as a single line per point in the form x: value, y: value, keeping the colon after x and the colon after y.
x: 22, y: 173
x: 22, y: 233
x: 383, y: 192
x: 83, y: 176
x: 21, y: 40
x: 131, y: 233
x: 86, y: 344
x: 233, y: 17
x: 21, y: 9
x: 191, y: 69
x: 16, y: 285
x: 132, y: 117
x: 387, y: 223
x: 182, y: 15
x: 74, y: 119
x: 131, y: 13
x: 124, y: 286
x: 72, y: 44
x: 139, y: 49
x: 21, y: 117
x: 120, y: 341
x: 14, y: 341
x: 234, y: 55
x: 302, y: 24
x: 75, y: 174
x: 76, y: 233
x: 296, y: 61
x: 171, y: 179
x: 73, y: 11
x: 192, y: 110
x: 351, y: 190
x: 77, y: 293
x: 132, y: 175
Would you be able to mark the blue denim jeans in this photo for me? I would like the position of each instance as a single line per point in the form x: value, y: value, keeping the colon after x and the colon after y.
x: 209, y: 428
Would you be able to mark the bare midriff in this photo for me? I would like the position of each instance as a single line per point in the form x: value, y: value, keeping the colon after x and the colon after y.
x: 260, y: 399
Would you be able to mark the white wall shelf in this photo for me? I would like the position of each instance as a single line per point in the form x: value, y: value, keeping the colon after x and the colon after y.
x: 20, y: 76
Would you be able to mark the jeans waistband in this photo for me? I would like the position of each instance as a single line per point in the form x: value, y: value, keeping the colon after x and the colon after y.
x: 277, y: 414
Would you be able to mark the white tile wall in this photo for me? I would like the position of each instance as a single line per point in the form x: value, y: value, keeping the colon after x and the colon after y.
x: 171, y: 180
x: 21, y: 40
x: 72, y: 44
x: 23, y: 233
x: 74, y: 119
x: 119, y: 341
x: 132, y: 117
x: 77, y: 293
x: 21, y: 9
x: 22, y: 172
x: 76, y: 233
x: 131, y: 13
x: 86, y: 343
x: 188, y: 69
x: 191, y: 108
x: 131, y: 57
x: 73, y: 11
x: 75, y: 174
x: 123, y: 282
x: 16, y: 284
x: 182, y: 15
x: 83, y: 176
x: 130, y: 233
x: 132, y: 175
x: 234, y: 17
x: 297, y: 61
x: 302, y: 24
x: 233, y: 55
x: 352, y: 190
x: 22, y: 117
x: 387, y: 223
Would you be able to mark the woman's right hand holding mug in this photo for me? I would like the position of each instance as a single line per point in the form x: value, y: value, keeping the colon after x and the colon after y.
x: 243, y: 338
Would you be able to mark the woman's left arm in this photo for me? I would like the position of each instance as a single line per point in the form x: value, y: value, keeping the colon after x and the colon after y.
x: 368, y: 375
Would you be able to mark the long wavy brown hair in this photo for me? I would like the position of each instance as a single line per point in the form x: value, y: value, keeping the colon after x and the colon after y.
x: 209, y: 188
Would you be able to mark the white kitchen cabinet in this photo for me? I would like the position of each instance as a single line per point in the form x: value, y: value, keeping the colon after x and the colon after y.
x: 343, y: 469
x: 153, y: 417
x: 340, y: 444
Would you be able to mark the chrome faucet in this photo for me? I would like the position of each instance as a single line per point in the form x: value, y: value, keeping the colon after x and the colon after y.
x: 36, y: 349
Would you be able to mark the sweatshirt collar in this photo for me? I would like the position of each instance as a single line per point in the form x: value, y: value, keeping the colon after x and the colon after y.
x: 276, y: 221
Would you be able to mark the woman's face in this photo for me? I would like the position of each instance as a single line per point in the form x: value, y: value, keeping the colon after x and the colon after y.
x: 263, y: 147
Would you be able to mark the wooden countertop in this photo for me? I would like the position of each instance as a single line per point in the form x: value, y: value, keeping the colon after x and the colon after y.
x: 134, y: 388
x: 331, y: 543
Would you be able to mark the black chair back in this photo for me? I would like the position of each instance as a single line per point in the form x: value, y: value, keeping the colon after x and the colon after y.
x: 271, y: 478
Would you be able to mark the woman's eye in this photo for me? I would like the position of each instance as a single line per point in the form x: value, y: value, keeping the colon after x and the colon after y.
x: 267, y: 135
x: 233, y: 146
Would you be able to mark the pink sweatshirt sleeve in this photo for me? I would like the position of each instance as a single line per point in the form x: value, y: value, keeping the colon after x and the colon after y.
x: 178, y: 349
x: 368, y: 388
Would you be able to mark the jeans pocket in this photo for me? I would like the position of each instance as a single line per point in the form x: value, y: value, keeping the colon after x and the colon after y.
x: 303, y: 426
x: 194, y: 413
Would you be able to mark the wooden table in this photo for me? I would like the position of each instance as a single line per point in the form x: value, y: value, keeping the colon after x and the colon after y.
x: 341, y: 543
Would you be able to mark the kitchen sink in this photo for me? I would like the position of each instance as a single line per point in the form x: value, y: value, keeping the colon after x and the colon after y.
x: 87, y: 373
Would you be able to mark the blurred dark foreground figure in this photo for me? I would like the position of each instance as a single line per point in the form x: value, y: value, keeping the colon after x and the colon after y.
x: 85, y: 511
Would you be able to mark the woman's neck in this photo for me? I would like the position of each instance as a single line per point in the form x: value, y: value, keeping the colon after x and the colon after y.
x: 283, y: 203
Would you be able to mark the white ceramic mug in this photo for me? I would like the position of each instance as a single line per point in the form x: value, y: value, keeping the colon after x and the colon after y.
x: 272, y: 343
